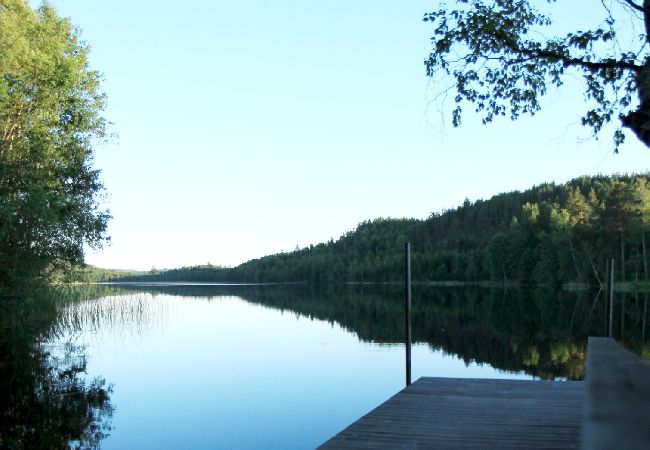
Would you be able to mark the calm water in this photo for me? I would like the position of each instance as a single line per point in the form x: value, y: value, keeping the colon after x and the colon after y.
x: 275, y: 367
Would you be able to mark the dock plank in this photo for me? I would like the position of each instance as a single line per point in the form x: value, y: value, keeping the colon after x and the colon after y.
x: 471, y: 413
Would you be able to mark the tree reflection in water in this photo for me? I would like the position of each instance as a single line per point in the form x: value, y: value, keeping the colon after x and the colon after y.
x: 542, y: 332
x: 45, y: 400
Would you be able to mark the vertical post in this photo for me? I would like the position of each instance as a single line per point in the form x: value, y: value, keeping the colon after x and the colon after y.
x: 610, y: 295
x: 407, y: 309
x: 645, y: 311
x: 622, y: 295
x: 606, y: 313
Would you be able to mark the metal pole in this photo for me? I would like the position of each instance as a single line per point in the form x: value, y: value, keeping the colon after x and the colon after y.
x: 606, y: 314
x: 407, y: 284
x: 622, y: 295
x: 610, y: 295
x: 645, y: 311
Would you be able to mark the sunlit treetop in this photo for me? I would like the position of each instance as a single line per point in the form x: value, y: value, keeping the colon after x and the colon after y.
x: 51, y: 106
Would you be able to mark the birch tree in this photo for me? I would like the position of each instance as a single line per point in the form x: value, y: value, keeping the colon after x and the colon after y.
x: 50, y: 118
x: 502, y: 60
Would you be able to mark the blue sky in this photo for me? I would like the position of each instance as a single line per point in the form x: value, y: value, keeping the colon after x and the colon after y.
x: 250, y: 128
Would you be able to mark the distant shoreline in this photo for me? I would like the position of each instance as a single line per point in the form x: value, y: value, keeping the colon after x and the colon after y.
x: 627, y: 287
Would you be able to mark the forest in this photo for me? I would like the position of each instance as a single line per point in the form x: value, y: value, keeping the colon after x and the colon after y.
x: 549, y: 235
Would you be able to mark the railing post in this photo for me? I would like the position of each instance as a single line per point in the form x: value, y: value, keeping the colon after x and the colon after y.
x: 407, y: 309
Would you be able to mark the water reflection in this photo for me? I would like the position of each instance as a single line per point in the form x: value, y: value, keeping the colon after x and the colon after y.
x: 115, y: 314
x: 45, y: 399
x: 192, y: 364
x: 628, y: 321
x: 540, y: 332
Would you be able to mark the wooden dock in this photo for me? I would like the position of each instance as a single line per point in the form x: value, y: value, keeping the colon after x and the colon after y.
x: 610, y: 409
x: 617, y: 401
x: 471, y: 413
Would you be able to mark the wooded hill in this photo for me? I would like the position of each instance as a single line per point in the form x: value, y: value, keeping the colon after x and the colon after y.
x: 549, y: 234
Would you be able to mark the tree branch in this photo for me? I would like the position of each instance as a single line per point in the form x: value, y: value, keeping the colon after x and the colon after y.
x: 633, y: 5
x: 568, y: 61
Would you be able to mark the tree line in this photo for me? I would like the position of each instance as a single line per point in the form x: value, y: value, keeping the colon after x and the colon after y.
x: 547, y: 235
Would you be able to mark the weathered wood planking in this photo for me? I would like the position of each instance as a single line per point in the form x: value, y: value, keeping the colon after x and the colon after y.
x: 471, y: 413
x: 617, y: 403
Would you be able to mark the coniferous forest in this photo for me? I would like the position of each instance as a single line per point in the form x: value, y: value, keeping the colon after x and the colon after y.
x: 547, y: 235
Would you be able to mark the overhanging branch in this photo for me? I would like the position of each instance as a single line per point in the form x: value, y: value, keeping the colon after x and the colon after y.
x: 633, y: 5
x: 576, y: 62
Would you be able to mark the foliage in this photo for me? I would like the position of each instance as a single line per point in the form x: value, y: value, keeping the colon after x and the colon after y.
x: 501, y: 61
x: 548, y: 235
x: 50, y: 105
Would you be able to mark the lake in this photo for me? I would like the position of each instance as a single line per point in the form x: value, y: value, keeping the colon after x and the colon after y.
x: 230, y: 366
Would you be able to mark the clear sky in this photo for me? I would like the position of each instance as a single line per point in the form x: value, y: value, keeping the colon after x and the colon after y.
x: 249, y: 128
